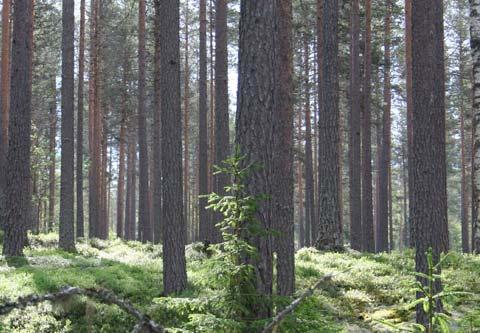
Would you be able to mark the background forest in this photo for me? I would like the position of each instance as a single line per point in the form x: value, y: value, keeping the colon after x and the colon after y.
x: 113, y: 197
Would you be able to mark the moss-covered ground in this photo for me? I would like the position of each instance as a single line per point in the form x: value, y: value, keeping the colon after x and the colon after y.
x: 374, y: 289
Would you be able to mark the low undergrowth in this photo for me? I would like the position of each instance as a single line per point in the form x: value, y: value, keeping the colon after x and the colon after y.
x: 375, y: 289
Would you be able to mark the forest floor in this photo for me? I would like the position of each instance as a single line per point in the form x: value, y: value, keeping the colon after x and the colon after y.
x: 375, y: 288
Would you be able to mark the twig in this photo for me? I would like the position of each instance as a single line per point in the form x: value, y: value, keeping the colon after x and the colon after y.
x: 290, y: 308
x: 105, y: 296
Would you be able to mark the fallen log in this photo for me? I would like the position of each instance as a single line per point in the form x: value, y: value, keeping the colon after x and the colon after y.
x: 144, y: 323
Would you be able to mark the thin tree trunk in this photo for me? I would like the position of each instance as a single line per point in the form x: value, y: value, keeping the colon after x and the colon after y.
x: 368, y: 241
x: 463, y: 190
x: 67, y: 217
x: 18, y: 188
x: 206, y: 229
x: 319, y: 93
x: 354, y: 135
x: 384, y: 166
x: 309, y: 185
x: 211, y: 137
x: 330, y: 201
x: 5, y: 91
x: 429, y: 209
x: 409, y: 81
x: 52, y: 154
x: 143, y: 207
x: 475, y: 49
x: 282, y: 189
x: 80, y: 110
x: 174, y: 233
x: 186, y: 119
x: 157, y: 153
x: 222, y: 119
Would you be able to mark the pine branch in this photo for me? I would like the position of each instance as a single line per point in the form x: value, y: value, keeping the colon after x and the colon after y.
x: 144, y: 323
x: 270, y: 327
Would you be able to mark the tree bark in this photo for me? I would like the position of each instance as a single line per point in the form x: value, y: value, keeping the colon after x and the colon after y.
x: 5, y: 93
x: 52, y: 153
x: 254, y: 125
x: 329, y: 196
x: 157, y: 153
x: 368, y: 239
x: 475, y: 49
x: 17, y: 212
x: 67, y: 220
x: 80, y: 110
x: 206, y: 227
x: 384, y: 166
x: 310, y: 217
x: 174, y: 233
x: 409, y: 84
x: 282, y: 189
x: 429, y: 209
x: 354, y: 135
x: 143, y: 204
x: 222, y: 119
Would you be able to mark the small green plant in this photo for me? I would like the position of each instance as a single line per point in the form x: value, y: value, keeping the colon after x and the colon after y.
x: 437, y: 321
x: 234, y: 270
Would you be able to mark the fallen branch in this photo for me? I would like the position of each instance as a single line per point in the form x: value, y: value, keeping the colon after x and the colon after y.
x: 290, y: 308
x: 144, y: 323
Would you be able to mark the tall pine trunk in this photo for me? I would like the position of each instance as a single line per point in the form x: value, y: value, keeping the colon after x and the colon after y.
x: 67, y: 217
x: 475, y: 49
x: 429, y: 209
x: 329, y: 196
x: 17, y: 188
x: 354, y: 135
x: 206, y: 227
x: 5, y: 93
x: 368, y: 239
x: 174, y: 232
x: 409, y: 83
x: 282, y: 186
x: 80, y: 110
x: 384, y: 166
x: 52, y: 153
x: 310, y: 217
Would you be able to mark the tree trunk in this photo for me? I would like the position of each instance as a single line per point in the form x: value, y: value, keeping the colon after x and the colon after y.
x: 368, y: 241
x: 174, y: 233
x: 429, y: 209
x: 409, y: 83
x: 67, y: 219
x: 319, y: 92
x: 463, y: 190
x: 475, y: 49
x: 52, y: 153
x: 310, y: 217
x: 80, y: 107
x: 384, y: 166
x: 5, y: 93
x: 222, y: 119
x: 157, y: 161
x: 186, y: 118
x: 329, y: 196
x: 18, y: 188
x: 254, y: 125
x: 206, y: 227
x: 354, y: 144
x: 282, y: 189
x: 143, y: 204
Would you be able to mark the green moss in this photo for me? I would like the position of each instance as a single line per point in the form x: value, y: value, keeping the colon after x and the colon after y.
x: 375, y: 288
